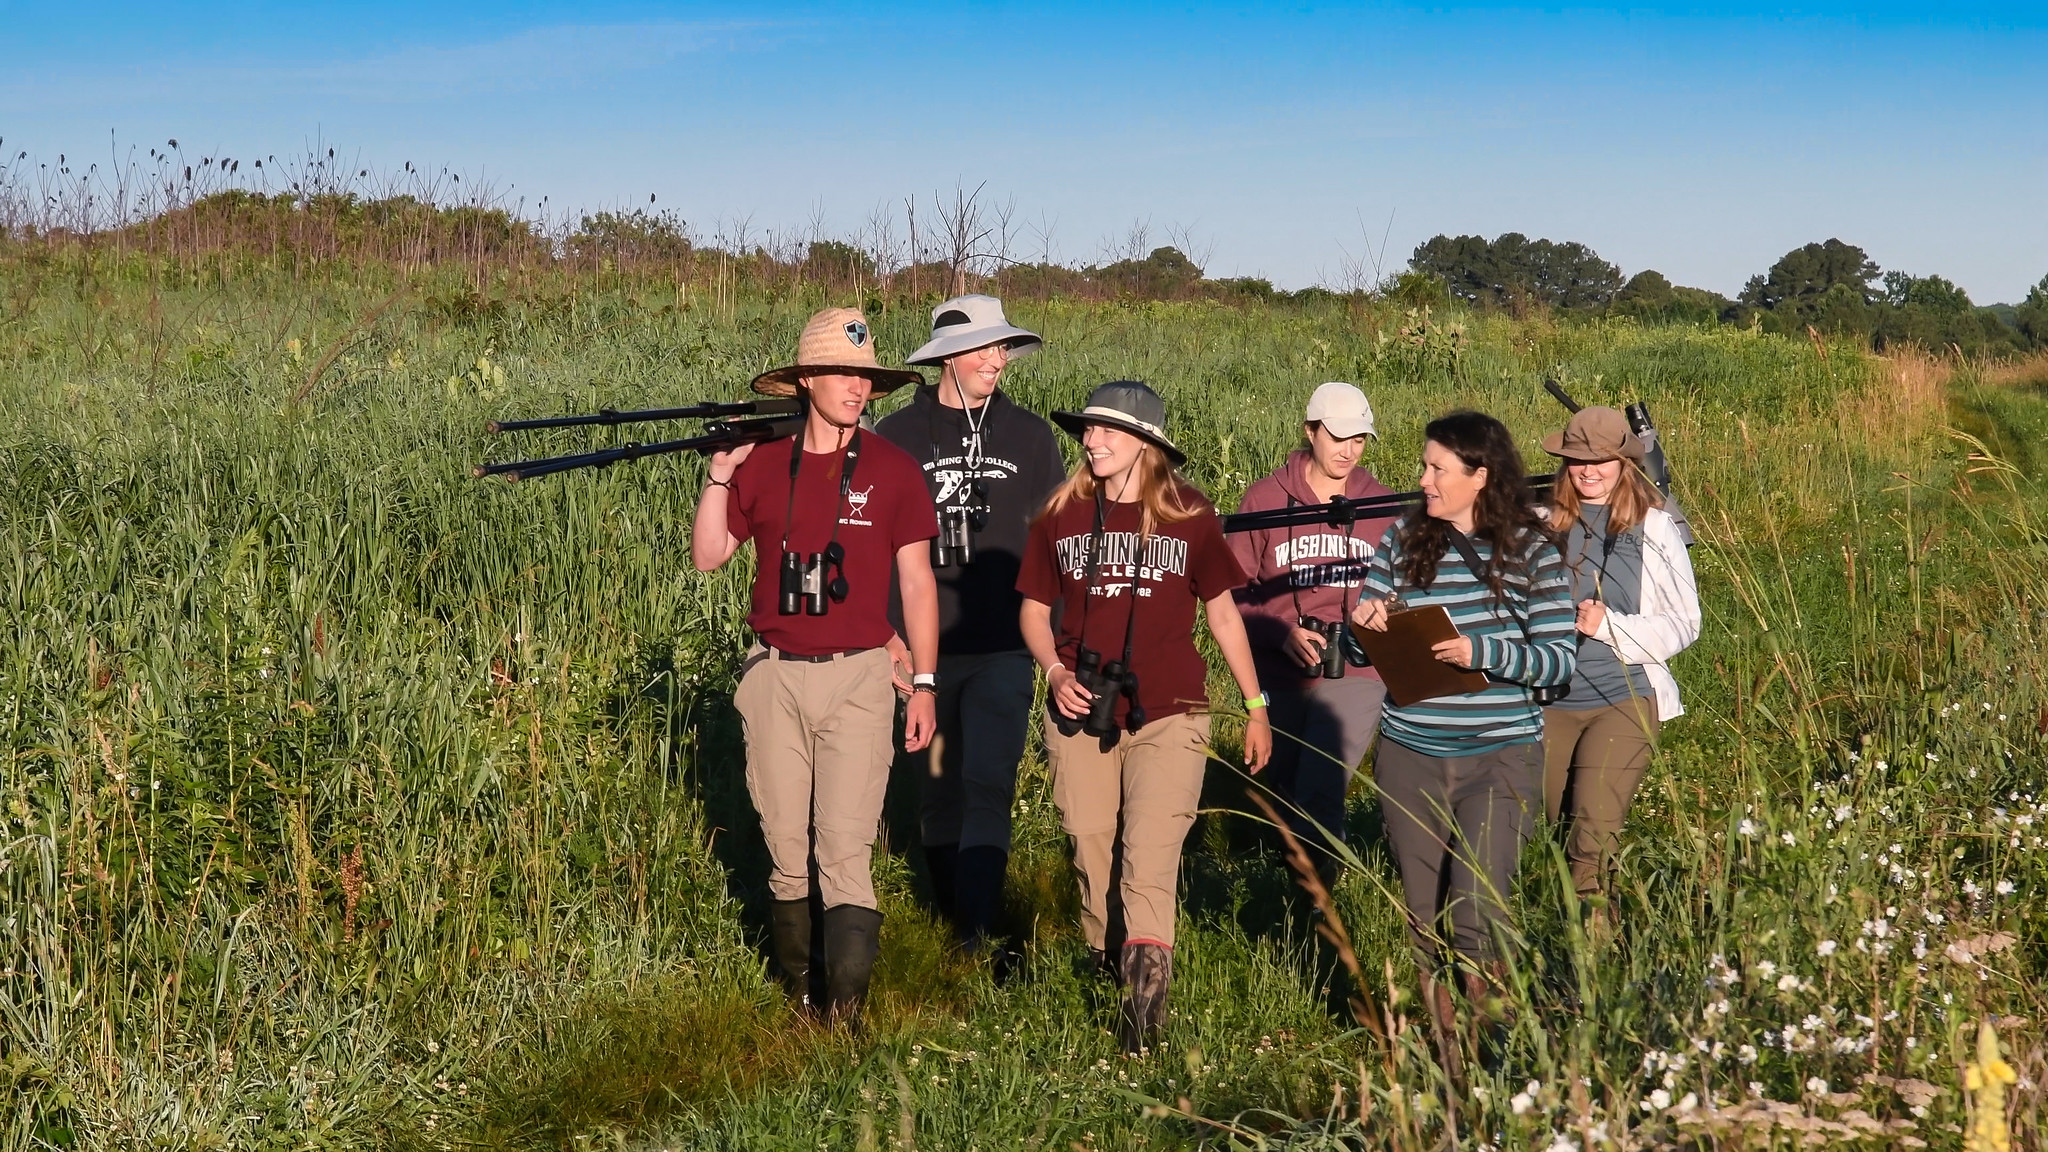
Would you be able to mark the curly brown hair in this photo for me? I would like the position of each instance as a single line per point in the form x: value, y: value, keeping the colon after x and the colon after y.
x: 1505, y: 515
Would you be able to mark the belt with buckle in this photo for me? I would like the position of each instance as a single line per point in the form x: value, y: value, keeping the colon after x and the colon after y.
x: 827, y: 658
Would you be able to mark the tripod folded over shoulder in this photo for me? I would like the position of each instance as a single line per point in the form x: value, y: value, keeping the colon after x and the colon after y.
x: 726, y: 429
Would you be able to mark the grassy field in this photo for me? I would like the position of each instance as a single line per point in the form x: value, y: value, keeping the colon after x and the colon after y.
x: 349, y: 802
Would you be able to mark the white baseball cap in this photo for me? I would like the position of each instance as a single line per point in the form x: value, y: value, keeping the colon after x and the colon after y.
x: 1342, y: 410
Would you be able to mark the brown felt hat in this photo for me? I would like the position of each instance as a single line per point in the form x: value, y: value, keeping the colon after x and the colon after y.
x: 836, y: 342
x: 1593, y: 435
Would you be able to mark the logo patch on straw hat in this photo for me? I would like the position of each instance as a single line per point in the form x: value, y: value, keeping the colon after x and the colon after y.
x: 856, y: 333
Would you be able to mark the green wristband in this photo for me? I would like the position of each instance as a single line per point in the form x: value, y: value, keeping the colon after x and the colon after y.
x: 1251, y: 702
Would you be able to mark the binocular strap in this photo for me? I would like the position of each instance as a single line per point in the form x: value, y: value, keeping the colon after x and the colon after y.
x: 1294, y: 589
x: 1136, y: 712
x: 796, y: 464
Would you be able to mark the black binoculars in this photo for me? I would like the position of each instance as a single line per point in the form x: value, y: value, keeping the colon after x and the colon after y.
x: 1104, y: 682
x: 1339, y: 648
x: 805, y: 589
x: 957, y: 528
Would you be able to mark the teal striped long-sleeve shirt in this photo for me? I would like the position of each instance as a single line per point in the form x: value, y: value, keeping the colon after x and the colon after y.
x: 1524, y: 640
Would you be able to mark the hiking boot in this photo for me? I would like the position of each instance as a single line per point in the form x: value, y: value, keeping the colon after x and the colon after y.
x: 853, y: 937
x: 1486, y: 990
x: 1148, y: 977
x: 1443, y: 1019
x: 789, y: 936
x: 942, y: 866
x: 978, y: 894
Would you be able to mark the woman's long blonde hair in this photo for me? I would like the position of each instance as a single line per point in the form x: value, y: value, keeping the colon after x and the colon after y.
x: 1630, y: 505
x: 1162, y: 492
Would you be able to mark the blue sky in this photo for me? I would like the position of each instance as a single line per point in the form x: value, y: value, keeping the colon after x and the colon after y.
x: 1703, y: 141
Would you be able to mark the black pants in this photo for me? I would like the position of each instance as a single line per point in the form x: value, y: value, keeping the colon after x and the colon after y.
x: 1457, y: 824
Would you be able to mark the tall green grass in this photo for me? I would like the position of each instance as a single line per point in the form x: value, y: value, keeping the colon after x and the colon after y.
x: 350, y: 802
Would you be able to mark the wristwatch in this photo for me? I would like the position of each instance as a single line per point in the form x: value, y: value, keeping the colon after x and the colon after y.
x: 925, y: 682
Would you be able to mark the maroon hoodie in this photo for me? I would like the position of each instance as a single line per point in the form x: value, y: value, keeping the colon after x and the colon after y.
x: 1307, y: 571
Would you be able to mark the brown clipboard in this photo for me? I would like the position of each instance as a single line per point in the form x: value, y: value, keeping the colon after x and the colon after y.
x: 1402, y: 655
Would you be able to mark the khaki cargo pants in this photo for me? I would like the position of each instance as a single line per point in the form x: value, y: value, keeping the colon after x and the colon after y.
x: 820, y: 739
x: 1594, y: 758
x: 1127, y: 811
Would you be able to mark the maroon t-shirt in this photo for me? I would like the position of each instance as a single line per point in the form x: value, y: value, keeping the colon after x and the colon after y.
x: 1180, y: 565
x: 885, y: 508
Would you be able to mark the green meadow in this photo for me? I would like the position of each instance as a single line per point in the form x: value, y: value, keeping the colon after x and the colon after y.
x: 349, y: 802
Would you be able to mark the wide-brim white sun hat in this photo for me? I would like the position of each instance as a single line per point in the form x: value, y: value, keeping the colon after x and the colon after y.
x: 965, y: 323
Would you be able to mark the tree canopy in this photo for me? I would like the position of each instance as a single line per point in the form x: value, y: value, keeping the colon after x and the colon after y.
x: 1802, y: 279
x: 1512, y: 270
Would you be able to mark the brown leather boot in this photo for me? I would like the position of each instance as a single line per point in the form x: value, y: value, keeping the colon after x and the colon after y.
x: 1443, y: 1019
x: 1148, y: 977
x: 1486, y: 989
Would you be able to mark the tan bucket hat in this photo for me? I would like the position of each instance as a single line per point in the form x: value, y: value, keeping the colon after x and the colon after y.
x: 1595, y: 434
x: 836, y: 342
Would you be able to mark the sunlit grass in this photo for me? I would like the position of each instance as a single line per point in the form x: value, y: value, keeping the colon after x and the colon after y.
x: 352, y: 802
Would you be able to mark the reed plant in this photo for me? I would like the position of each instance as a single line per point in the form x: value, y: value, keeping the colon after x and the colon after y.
x: 350, y: 802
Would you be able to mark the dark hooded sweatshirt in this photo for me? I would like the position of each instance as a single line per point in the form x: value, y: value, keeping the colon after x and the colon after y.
x: 1020, y: 465
x: 1314, y: 570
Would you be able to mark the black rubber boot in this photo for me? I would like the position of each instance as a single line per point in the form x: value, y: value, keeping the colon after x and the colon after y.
x: 789, y: 934
x: 979, y: 895
x: 853, y: 937
x: 1148, y: 977
x: 942, y: 864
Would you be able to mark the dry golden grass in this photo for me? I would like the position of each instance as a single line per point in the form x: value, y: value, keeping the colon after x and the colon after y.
x: 1902, y: 402
x: 2028, y: 371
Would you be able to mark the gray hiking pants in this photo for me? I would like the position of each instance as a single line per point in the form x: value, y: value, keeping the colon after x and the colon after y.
x: 1457, y: 824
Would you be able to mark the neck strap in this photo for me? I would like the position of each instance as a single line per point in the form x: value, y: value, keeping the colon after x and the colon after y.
x: 971, y: 460
x: 796, y: 464
x: 1294, y: 589
x: 1095, y: 566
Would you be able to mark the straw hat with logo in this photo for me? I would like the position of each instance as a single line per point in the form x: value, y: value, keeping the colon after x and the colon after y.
x: 1594, y: 435
x: 836, y: 342
x: 966, y: 323
x: 1129, y: 405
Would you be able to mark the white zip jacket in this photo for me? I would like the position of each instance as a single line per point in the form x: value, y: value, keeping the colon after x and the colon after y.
x: 1670, y: 618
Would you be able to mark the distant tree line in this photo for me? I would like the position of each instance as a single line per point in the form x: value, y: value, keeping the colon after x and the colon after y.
x: 1831, y: 287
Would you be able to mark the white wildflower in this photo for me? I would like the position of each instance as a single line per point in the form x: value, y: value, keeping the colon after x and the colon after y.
x: 1525, y: 1099
x: 1827, y: 948
x: 1816, y: 1085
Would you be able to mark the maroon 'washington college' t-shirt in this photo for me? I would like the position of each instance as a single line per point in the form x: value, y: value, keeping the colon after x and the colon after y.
x: 1180, y: 565
x: 886, y: 507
